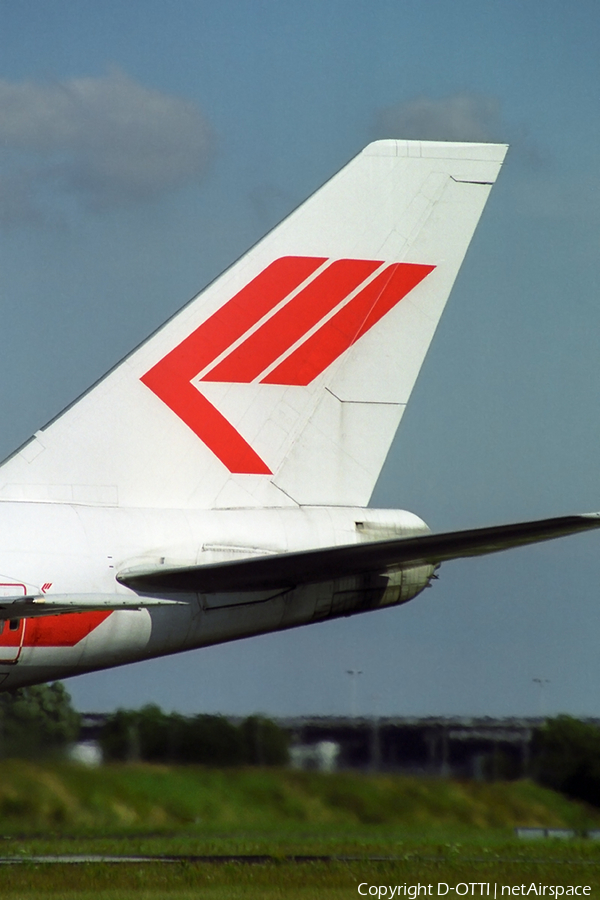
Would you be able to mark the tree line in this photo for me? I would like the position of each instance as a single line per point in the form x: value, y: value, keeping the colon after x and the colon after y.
x: 566, y: 758
x: 37, y: 721
x: 151, y: 735
x: 40, y: 721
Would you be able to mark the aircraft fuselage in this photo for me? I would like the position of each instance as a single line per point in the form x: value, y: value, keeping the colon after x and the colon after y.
x: 69, y: 551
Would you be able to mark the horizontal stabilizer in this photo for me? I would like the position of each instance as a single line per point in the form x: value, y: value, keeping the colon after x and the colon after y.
x: 288, y: 570
x: 33, y: 606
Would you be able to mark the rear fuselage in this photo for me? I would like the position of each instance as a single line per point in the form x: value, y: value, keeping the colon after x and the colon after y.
x: 77, y: 551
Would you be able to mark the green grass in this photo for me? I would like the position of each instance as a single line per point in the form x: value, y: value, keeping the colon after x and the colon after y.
x: 435, y: 830
x: 306, y: 881
x: 121, y: 798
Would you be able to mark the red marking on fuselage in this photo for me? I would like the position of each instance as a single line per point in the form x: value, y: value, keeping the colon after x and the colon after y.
x: 11, y: 639
x: 11, y: 630
x: 62, y: 631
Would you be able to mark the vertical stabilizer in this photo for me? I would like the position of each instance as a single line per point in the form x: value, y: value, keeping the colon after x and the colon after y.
x: 284, y: 381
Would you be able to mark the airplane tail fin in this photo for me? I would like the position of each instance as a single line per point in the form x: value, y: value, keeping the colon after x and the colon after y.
x: 284, y: 381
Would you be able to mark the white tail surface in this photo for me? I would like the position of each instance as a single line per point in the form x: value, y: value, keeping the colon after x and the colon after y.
x: 284, y: 381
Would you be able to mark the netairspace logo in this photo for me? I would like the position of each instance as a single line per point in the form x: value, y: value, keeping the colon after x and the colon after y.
x: 472, y: 889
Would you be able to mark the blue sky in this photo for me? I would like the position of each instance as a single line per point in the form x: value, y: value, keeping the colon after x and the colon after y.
x: 144, y: 146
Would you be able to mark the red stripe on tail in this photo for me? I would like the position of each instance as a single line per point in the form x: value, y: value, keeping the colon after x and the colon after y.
x: 292, y: 321
x: 348, y: 325
x: 170, y: 378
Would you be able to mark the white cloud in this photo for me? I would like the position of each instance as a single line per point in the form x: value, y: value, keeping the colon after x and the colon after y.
x: 106, y: 141
x: 460, y: 117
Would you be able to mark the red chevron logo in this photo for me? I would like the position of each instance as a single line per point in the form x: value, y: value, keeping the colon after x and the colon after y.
x: 286, y: 326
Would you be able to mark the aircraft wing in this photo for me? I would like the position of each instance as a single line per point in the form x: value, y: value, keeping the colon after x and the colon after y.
x: 30, y: 606
x: 286, y: 570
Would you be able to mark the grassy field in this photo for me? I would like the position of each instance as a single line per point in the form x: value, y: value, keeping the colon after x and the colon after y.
x: 59, y: 797
x: 421, y: 831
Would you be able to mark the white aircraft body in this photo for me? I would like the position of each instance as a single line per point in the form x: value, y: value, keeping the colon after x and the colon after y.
x: 215, y: 483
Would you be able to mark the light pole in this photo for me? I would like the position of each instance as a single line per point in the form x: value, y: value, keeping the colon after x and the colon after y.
x: 375, y: 736
x: 541, y: 682
x: 353, y: 674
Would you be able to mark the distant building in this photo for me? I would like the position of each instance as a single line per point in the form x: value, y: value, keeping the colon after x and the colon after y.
x: 322, y: 756
x: 465, y: 747
x: 87, y: 753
